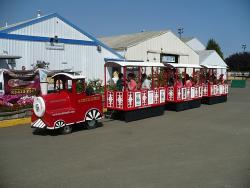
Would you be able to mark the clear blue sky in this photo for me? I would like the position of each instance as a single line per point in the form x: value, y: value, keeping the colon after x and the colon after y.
x: 227, y: 21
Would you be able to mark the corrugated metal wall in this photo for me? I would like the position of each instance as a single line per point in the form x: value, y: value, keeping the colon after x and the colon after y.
x: 167, y: 43
x: 77, y: 57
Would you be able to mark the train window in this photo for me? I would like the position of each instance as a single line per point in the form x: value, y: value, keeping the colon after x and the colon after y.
x: 1, y: 86
x: 69, y: 85
x: 58, y: 85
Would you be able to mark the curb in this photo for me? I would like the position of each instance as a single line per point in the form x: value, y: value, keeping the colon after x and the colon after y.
x: 14, y: 122
x: 21, y: 121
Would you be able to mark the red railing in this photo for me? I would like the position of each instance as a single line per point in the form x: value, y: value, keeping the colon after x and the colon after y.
x: 131, y: 100
x: 179, y: 94
x: 215, y: 90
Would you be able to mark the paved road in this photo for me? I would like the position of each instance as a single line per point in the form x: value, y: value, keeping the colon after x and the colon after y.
x: 207, y: 147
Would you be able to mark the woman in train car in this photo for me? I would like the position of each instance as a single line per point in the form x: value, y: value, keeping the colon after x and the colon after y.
x: 178, y: 82
x: 132, y: 85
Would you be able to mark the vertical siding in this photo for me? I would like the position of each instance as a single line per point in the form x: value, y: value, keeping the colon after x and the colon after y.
x: 168, y: 43
x: 50, y: 28
x: 78, y: 57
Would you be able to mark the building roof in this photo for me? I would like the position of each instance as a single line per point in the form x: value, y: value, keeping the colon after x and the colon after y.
x: 186, y: 39
x: 19, y: 25
x: 121, y: 42
x: 204, y: 54
x: 211, y: 58
x: 11, y: 26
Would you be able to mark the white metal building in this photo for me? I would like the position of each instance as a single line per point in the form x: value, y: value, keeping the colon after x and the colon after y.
x: 207, y: 57
x: 158, y: 46
x: 194, y: 43
x: 55, y: 40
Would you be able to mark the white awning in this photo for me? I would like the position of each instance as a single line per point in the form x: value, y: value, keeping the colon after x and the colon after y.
x: 9, y: 57
x: 178, y: 65
x: 72, y: 76
x: 133, y: 64
x: 214, y: 67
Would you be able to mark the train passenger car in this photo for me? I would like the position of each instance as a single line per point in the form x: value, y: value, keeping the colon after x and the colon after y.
x: 215, y: 88
x: 184, y: 91
x: 67, y: 105
x: 133, y: 93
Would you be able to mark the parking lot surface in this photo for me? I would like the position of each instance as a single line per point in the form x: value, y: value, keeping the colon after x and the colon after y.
x: 207, y: 147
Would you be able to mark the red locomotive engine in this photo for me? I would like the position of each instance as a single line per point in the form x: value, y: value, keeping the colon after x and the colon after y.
x: 67, y: 105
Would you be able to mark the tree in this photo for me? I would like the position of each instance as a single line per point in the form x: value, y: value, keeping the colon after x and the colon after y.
x: 213, y: 45
x: 239, y: 61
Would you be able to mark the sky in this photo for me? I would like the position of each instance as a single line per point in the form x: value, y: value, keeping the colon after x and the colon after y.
x: 226, y: 21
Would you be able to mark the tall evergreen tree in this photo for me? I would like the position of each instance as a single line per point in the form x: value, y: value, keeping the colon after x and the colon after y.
x: 239, y: 61
x: 213, y: 45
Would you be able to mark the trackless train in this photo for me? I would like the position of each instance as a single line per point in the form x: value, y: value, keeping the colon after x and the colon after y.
x: 137, y: 90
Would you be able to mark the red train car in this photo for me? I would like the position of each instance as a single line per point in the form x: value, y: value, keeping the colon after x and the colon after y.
x: 67, y: 105
x: 215, y: 88
x: 142, y: 101
x: 184, y: 91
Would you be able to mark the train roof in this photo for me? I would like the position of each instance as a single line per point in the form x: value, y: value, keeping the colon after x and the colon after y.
x: 73, y: 76
x: 133, y: 64
x: 179, y: 65
x: 214, y: 67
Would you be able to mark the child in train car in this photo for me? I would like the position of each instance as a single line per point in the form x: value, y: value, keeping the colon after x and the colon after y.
x: 132, y: 85
x: 120, y: 82
x: 146, y: 83
x: 188, y: 82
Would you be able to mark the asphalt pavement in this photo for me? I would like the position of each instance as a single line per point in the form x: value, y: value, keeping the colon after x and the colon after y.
x: 207, y: 147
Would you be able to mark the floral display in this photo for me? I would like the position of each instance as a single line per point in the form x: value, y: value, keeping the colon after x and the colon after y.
x: 15, y: 102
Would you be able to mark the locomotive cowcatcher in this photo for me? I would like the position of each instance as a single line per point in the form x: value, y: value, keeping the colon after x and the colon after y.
x: 67, y: 105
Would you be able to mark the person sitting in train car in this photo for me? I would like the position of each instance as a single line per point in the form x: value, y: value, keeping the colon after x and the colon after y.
x: 188, y: 82
x: 212, y: 79
x: 115, y: 76
x: 120, y: 82
x: 146, y: 83
x: 170, y: 79
x: 132, y: 85
x: 179, y: 82
x: 221, y: 79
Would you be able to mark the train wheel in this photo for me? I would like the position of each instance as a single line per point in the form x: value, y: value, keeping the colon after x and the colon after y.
x: 91, y: 118
x: 91, y: 124
x: 67, y: 129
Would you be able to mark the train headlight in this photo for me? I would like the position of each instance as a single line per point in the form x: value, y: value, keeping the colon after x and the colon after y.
x: 39, y: 106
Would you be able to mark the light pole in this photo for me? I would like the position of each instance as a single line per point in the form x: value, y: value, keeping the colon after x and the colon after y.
x: 180, y: 31
x: 244, y: 46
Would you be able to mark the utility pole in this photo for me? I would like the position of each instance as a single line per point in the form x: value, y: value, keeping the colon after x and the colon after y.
x: 180, y: 31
